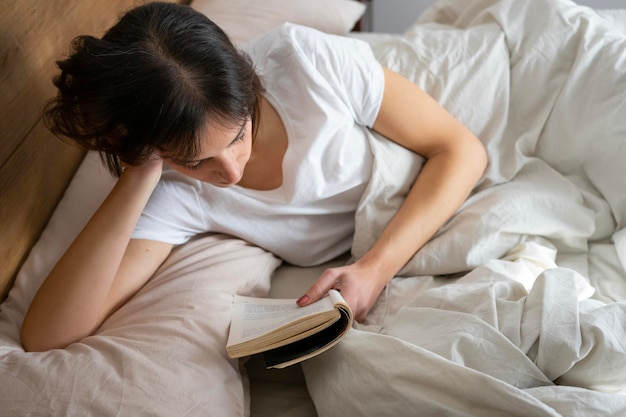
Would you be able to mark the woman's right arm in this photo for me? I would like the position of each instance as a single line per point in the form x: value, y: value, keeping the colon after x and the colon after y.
x: 101, y: 270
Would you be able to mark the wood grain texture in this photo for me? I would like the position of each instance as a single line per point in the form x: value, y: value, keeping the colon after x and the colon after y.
x: 35, y: 166
x: 31, y: 183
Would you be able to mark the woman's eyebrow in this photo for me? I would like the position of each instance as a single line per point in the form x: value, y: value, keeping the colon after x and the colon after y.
x: 241, y: 130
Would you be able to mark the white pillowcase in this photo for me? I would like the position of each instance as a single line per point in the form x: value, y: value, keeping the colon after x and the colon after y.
x: 243, y: 20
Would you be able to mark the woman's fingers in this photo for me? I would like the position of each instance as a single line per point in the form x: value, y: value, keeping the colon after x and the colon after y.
x: 327, y: 281
x: 358, y: 289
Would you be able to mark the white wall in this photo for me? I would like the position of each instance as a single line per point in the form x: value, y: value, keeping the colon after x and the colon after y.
x: 603, y: 4
x: 395, y: 16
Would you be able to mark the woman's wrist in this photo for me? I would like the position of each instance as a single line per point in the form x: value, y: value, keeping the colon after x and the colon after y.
x: 147, y: 174
x: 380, y: 265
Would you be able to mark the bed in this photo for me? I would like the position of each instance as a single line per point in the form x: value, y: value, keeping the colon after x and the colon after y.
x: 516, y: 307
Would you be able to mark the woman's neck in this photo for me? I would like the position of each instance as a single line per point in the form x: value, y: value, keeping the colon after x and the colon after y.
x: 264, y: 169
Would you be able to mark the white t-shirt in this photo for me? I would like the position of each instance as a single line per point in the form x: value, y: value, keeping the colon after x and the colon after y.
x: 327, y: 90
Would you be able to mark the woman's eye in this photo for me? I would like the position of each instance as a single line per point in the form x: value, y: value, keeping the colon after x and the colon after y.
x: 194, y: 166
x: 239, y: 138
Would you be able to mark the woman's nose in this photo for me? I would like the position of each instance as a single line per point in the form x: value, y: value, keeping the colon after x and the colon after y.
x: 228, y: 170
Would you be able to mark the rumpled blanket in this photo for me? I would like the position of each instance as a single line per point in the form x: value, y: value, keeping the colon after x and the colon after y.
x: 515, y: 308
x: 496, y: 315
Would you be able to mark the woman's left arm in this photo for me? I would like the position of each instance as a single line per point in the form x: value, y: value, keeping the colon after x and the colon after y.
x: 455, y: 161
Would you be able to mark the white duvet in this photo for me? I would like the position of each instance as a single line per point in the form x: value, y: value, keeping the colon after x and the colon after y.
x: 515, y: 308
x: 543, y: 84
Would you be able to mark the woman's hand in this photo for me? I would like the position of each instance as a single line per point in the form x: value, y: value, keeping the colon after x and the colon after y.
x: 360, y: 285
x: 150, y: 171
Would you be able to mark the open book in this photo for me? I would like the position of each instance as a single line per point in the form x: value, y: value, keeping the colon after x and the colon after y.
x: 284, y: 333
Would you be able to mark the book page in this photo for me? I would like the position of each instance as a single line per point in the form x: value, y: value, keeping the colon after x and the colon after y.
x: 253, y: 317
x: 315, y: 343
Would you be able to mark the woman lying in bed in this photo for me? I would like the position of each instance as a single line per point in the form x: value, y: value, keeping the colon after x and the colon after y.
x: 272, y: 151
x: 267, y: 145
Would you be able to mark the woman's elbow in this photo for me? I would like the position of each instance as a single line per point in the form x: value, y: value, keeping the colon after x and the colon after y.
x: 473, y: 156
x: 30, y: 342
x: 36, y: 339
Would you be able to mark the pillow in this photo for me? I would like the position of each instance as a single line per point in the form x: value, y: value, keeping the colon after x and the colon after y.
x: 243, y: 20
x: 157, y: 355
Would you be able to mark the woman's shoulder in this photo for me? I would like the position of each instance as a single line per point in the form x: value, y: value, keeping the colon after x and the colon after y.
x: 279, y: 41
x: 303, y: 41
x: 287, y: 34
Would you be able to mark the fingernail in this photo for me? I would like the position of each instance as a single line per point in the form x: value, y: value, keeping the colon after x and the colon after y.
x: 303, y: 299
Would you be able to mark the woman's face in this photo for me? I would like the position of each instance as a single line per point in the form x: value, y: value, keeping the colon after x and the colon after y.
x: 224, y: 153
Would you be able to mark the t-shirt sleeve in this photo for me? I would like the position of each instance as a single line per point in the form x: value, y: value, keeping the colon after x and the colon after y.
x: 173, y: 213
x: 350, y: 68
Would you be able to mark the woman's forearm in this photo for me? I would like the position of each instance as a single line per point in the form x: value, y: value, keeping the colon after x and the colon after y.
x: 440, y: 189
x: 74, y: 299
x: 442, y: 186
x: 455, y: 161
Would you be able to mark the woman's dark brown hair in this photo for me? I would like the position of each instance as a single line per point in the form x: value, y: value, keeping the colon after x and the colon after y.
x: 152, y: 83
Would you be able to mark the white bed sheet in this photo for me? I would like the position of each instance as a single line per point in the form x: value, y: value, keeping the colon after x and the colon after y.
x: 118, y: 371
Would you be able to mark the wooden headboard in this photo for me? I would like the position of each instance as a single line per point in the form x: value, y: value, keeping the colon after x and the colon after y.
x: 35, y: 166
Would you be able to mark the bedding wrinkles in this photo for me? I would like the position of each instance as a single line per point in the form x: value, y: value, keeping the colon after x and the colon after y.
x: 501, y: 295
x: 516, y: 307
